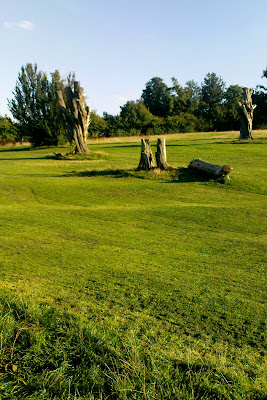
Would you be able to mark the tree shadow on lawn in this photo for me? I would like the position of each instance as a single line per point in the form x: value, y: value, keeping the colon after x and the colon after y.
x: 250, y: 141
x: 27, y: 149
x: 178, y: 175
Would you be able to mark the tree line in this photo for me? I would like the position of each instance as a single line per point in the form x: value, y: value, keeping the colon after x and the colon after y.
x: 162, y: 109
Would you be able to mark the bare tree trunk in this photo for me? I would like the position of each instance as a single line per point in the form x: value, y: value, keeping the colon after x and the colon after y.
x: 75, y: 116
x: 246, y: 109
x: 146, y: 159
x: 217, y: 171
x: 161, y: 156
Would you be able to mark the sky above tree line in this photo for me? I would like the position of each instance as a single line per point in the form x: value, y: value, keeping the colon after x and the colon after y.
x: 116, y: 46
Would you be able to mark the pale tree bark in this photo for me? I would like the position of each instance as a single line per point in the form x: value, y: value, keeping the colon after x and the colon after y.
x: 146, y: 159
x: 246, y: 109
x: 75, y: 115
x: 161, y: 156
x: 217, y: 171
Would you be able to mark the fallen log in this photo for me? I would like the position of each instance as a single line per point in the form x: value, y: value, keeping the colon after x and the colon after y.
x: 217, y: 171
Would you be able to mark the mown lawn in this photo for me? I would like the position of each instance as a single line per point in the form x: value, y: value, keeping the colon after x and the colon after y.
x: 119, y: 284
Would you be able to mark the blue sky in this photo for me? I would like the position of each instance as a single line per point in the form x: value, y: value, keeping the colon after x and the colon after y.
x: 116, y: 46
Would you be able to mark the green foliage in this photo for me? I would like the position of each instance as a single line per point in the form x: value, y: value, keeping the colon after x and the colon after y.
x: 184, y: 122
x: 259, y: 98
x: 97, y: 127
x: 34, y: 105
x: 231, y: 119
x: 135, y: 117
x: 8, y: 129
x: 210, y: 107
x: 260, y: 114
x: 185, y: 100
x: 157, y: 98
x: 113, y: 125
x: 163, y: 109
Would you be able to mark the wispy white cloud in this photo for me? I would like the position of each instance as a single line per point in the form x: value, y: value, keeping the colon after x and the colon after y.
x: 26, y: 25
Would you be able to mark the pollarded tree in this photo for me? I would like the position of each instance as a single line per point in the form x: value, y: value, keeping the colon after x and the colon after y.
x: 75, y: 115
x: 157, y: 98
x: 246, y: 111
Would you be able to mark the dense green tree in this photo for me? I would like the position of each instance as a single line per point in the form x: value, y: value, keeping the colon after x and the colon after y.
x: 259, y: 98
x: 212, y: 96
x: 179, y: 98
x: 135, y: 117
x: 8, y: 129
x: 184, y: 100
x: 34, y: 105
x: 260, y: 114
x: 97, y: 127
x: 113, y: 125
x: 157, y: 97
x: 193, y: 92
x: 231, y: 119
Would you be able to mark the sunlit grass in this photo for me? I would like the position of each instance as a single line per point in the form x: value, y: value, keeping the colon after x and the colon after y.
x: 162, y: 272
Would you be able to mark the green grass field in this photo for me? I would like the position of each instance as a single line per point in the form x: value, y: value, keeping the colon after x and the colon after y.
x: 118, y: 284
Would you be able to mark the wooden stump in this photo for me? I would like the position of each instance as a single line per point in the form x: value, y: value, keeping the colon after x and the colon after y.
x: 75, y: 116
x: 217, y: 171
x: 246, y: 109
x: 146, y: 160
x: 161, y: 157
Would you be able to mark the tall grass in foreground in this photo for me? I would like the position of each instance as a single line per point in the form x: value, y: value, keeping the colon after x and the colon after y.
x: 47, y: 353
x: 119, y: 284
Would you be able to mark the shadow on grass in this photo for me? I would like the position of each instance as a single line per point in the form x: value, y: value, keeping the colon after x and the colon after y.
x: 116, y: 173
x: 177, y: 175
x: 250, y: 141
x: 57, y: 156
x: 27, y: 148
x: 92, y: 155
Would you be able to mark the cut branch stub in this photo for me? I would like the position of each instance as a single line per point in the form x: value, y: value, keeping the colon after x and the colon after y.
x: 161, y: 156
x: 246, y: 109
x: 217, y: 171
x: 146, y: 159
x: 75, y: 116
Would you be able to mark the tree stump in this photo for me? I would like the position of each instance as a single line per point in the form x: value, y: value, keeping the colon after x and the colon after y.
x: 217, y: 171
x: 161, y: 156
x: 146, y: 160
x: 75, y: 116
x: 246, y: 109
